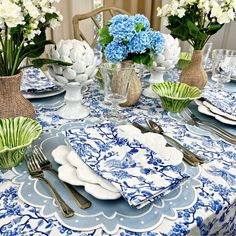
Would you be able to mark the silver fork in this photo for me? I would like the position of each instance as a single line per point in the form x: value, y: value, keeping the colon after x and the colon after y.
x: 36, y: 172
x: 45, y: 164
x: 191, y: 119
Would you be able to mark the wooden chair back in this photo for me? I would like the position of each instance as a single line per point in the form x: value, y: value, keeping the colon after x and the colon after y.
x: 109, y: 11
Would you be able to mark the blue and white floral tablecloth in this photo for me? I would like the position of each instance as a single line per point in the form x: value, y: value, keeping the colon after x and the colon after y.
x: 213, y: 213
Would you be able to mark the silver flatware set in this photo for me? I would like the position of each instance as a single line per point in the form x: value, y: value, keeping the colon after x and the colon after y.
x: 37, y: 163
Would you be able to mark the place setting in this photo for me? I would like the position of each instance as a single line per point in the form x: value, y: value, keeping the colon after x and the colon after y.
x: 104, y: 203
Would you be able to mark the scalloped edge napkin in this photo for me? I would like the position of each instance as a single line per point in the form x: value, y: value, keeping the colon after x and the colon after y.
x: 223, y: 101
x: 137, y: 171
x: 35, y: 81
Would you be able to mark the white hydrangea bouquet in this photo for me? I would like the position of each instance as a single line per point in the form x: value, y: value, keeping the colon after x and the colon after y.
x: 196, y: 21
x: 22, y: 32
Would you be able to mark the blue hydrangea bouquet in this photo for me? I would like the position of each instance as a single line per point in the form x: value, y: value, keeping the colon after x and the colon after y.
x: 130, y: 38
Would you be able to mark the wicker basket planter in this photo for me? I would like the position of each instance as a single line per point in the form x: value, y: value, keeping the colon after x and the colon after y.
x: 135, y: 88
x: 12, y: 102
x: 194, y: 74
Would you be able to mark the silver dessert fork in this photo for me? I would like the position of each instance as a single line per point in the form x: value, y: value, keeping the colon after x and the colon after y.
x: 36, y: 172
x: 193, y: 120
x: 45, y: 164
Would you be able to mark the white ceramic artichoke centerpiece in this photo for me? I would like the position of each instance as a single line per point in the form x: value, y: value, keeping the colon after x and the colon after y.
x: 73, y: 77
x: 164, y: 61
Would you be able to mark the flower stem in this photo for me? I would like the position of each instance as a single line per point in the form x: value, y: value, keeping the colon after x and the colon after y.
x: 17, y: 57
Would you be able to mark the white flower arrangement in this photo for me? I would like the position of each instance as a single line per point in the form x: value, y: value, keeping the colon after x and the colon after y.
x: 22, y: 32
x: 196, y: 20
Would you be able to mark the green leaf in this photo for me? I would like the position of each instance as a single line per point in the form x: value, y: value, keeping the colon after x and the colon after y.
x: 213, y: 28
x: 105, y: 37
x: 35, y: 50
x: 40, y: 37
x: 50, y: 16
x: 139, y: 27
x: 195, y: 32
x: 145, y: 58
x: 179, y: 32
x: 193, y: 29
x: 17, y: 34
x: 44, y: 61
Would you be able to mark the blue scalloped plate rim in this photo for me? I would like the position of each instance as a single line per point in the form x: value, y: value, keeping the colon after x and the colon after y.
x: 103, y: 214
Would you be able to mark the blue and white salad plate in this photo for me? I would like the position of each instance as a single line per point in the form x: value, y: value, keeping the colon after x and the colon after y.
x: 108, y: 215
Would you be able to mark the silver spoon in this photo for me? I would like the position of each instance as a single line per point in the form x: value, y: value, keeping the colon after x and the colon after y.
x: 188, y: 154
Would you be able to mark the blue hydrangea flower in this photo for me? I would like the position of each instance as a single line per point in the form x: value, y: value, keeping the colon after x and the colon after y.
x: 115, y: 52
x: 140, y: 43
x: 141, y: 19
x: 119, y: 18
x: 157, y: 41
x: 122, y: 28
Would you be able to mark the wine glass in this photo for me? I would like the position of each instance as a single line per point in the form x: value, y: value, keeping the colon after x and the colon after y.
x: 223, y: 65
x: 206, y: 53
x: 116, y: 81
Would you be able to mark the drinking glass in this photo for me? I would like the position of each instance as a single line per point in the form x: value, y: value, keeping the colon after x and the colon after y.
x: 223, y: 65
x: 116, y: 79
x: 206, y: 53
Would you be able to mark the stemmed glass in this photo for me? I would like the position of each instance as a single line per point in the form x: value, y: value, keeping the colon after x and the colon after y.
x: 223, y: 65
x: 206, y: 53
x: 116, y: 79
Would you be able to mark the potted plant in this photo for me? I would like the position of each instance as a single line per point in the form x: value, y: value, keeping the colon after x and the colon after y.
x: 23, y: 27
x: 195, y: 22
x: 127, y: 39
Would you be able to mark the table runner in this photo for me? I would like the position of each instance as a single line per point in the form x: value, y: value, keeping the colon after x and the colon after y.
x: 213, y: 213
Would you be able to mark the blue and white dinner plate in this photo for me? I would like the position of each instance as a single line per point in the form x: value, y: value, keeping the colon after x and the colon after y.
x: 108, y: 215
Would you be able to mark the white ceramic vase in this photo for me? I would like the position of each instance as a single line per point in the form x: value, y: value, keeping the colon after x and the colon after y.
x: 73, y: 108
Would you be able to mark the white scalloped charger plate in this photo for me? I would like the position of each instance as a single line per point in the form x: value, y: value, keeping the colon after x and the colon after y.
x: 79, y: 174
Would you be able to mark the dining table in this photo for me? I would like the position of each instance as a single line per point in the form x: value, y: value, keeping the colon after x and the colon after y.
x: 203, y: 205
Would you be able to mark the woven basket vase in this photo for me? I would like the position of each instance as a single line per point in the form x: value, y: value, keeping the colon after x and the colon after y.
x: 135, y: 88
x: 12, y: 102
x: 194, y: 74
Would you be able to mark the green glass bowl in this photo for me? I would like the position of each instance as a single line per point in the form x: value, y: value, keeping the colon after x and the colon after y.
x: 16, y: 134
x: 176, y: 96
